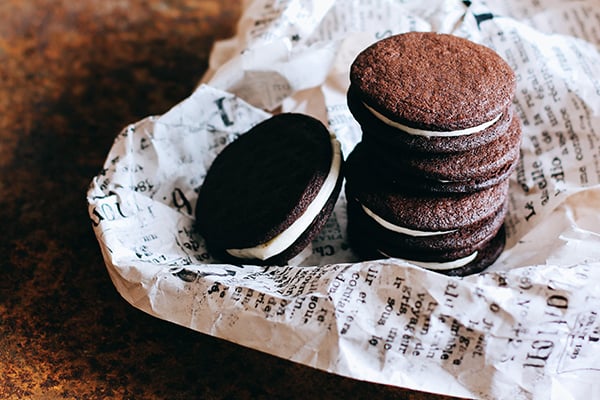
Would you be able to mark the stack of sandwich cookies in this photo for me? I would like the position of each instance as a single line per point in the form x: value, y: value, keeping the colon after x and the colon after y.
x: 429, y: 181
x: 270, y: 192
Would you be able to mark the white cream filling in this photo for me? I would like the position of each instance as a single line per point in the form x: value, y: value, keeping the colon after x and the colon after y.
x: 400, y: 229
x: 286, y: 238
x: 441, y: 266
x: 427, y: 133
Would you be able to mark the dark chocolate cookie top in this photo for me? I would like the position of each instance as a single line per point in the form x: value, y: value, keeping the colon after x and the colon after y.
x: 433, y: 81
x: 263, y: 181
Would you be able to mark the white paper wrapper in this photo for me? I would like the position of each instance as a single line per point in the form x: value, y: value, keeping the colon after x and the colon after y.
x: 527, y: 328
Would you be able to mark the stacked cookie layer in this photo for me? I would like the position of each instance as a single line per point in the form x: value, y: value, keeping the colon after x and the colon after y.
x: 429, y: 180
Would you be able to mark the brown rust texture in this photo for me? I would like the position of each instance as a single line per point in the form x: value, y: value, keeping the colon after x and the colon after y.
x: 72, y: 74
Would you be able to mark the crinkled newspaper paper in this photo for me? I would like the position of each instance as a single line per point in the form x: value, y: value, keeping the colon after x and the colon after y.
x: 527, y: 328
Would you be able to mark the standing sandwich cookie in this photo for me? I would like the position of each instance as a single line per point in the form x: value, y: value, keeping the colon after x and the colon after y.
x: 270, y: 192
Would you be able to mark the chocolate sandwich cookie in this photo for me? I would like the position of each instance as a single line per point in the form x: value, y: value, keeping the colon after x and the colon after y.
x: 425, y: 214
x: 478, y: 257
x: 418, y: 242
x: 268, y: 193
x: 443, y: 231
x: 431, y: 92
x: 464, y: 171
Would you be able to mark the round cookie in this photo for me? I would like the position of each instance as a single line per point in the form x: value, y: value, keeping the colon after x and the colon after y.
x: 372, y: 126
x: 450, y: 233
x: 423, y: 212
x: 433, y: 86
x: 268, y: 193
x: 481, y: 256
x: 464, y: 171
x: 453, y: 240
